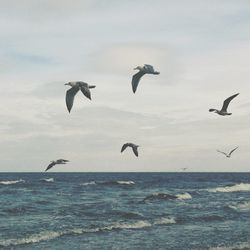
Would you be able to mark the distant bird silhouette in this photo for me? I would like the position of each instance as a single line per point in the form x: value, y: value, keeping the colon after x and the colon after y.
x: 132, y: 145
x: 75, y: 87
x: 223, y: 110
x: 183, y: 169
x: 53, y: 163
x: 227, y: 155
x: 146, y: 69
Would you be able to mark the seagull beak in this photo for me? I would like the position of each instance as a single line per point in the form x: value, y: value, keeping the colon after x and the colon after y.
x: 66, y: 84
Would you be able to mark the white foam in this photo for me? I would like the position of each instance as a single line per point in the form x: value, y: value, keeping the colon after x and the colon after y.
x: 234, y: 188
x: 88, y: 183
x: 134, y: 225
x: 34, y: 238
x: 11, y: 182
x: 126, y: 182
x: 244, y: 206
x: 184, y: 196
x: 164, y: 221
x: 239, y: 246
x: 49, y: 180
x: 50, y: 235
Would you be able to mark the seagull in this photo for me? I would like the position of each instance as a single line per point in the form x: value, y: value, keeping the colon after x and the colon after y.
x: 75, y: 87
x: 53, y: 163
x: 223, y: 110
x: 227, y: 155
x: 146, y: 69
x: 132, y: 145
x: 183, y: 169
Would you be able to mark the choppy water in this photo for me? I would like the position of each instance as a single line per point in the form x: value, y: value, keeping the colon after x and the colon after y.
x: 125, y: 211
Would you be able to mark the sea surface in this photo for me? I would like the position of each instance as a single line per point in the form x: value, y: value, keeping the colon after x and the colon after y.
x: 125, y: 211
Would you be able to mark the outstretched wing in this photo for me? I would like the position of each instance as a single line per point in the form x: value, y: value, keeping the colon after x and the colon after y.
x: 50, y: 166
x: 227, y: 101
x: 135, y: 150
x: 222, y: 152
x: 136, y: 79
x: 232, y: 151
x: 124, y: 147
x: 86, y: 92
x: 70, y: 96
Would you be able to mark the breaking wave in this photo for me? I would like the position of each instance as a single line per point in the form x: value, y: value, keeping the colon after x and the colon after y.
x: 231, y: 188
x: 239, y: 246
x: 50, y: 235
x: 88, y: 183
x: 48, y: 180
x: 165, y: 196
x: 243, y: 206
x: 11, y: 182
x: 184, y: 196
x: 108, y: 183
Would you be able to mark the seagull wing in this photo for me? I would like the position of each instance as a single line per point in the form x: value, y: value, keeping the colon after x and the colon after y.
x: 124, y: 147
x: 222, y: 152
x: 135, y: 150
x: 136, y: 79
x: 86, y: 92
x: 227, y: 101
x: 232, y: 151
x: 50, y: 166
x: 70, y: 95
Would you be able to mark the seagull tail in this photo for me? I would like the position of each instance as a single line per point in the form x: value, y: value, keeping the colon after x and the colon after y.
x: 156, y: 73
x: 91, y: 86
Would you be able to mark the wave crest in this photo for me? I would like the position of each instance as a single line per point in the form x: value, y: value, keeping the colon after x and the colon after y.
x: 88, y: 183
x: 164, y: 221
x: 232, y: 188
x: 50, y: 235
x: 243, y: 206
x: 239, y: 246
x: 11, y: 182
x: 165, y: 196
x: 48, y: 180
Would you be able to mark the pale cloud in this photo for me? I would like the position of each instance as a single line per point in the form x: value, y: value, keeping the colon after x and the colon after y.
x: 201, y: 49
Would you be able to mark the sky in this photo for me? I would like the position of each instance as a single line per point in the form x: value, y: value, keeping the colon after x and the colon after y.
x: 200, y: 47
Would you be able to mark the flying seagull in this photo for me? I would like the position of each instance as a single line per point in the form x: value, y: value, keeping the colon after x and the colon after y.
x: 227, y: 155
x: 223, y: 110
x: 132, y: 145
x: 75, y: 87
x: 146, y: 69
x: 53, y: 163
x: 183, y: 169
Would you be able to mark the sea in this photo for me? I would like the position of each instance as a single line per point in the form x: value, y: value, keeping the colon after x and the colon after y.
x: 178, y: 211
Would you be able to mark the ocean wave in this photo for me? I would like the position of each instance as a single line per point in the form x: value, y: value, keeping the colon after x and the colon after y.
x: 184, y: 196
x: 128, y: 215
x: 231, y: 188
x: 108, y: 183
x: 34, y: 238
x: 243, y: 206
x: 48, y: 180
x: 11, y: 182
x: 50, y: 235
x: 164, y: 221
x: 119, y: 182
x: 88, y: 183
x: 239, y: 246
x: 165, y: 196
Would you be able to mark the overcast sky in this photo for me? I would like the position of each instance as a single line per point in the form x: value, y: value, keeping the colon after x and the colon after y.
x: 201, y: 48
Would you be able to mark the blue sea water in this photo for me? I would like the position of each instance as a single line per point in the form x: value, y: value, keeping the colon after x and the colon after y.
x: 124, y: 211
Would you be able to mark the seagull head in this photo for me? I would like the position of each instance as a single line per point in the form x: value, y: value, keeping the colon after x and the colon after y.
x: 138, y: 67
